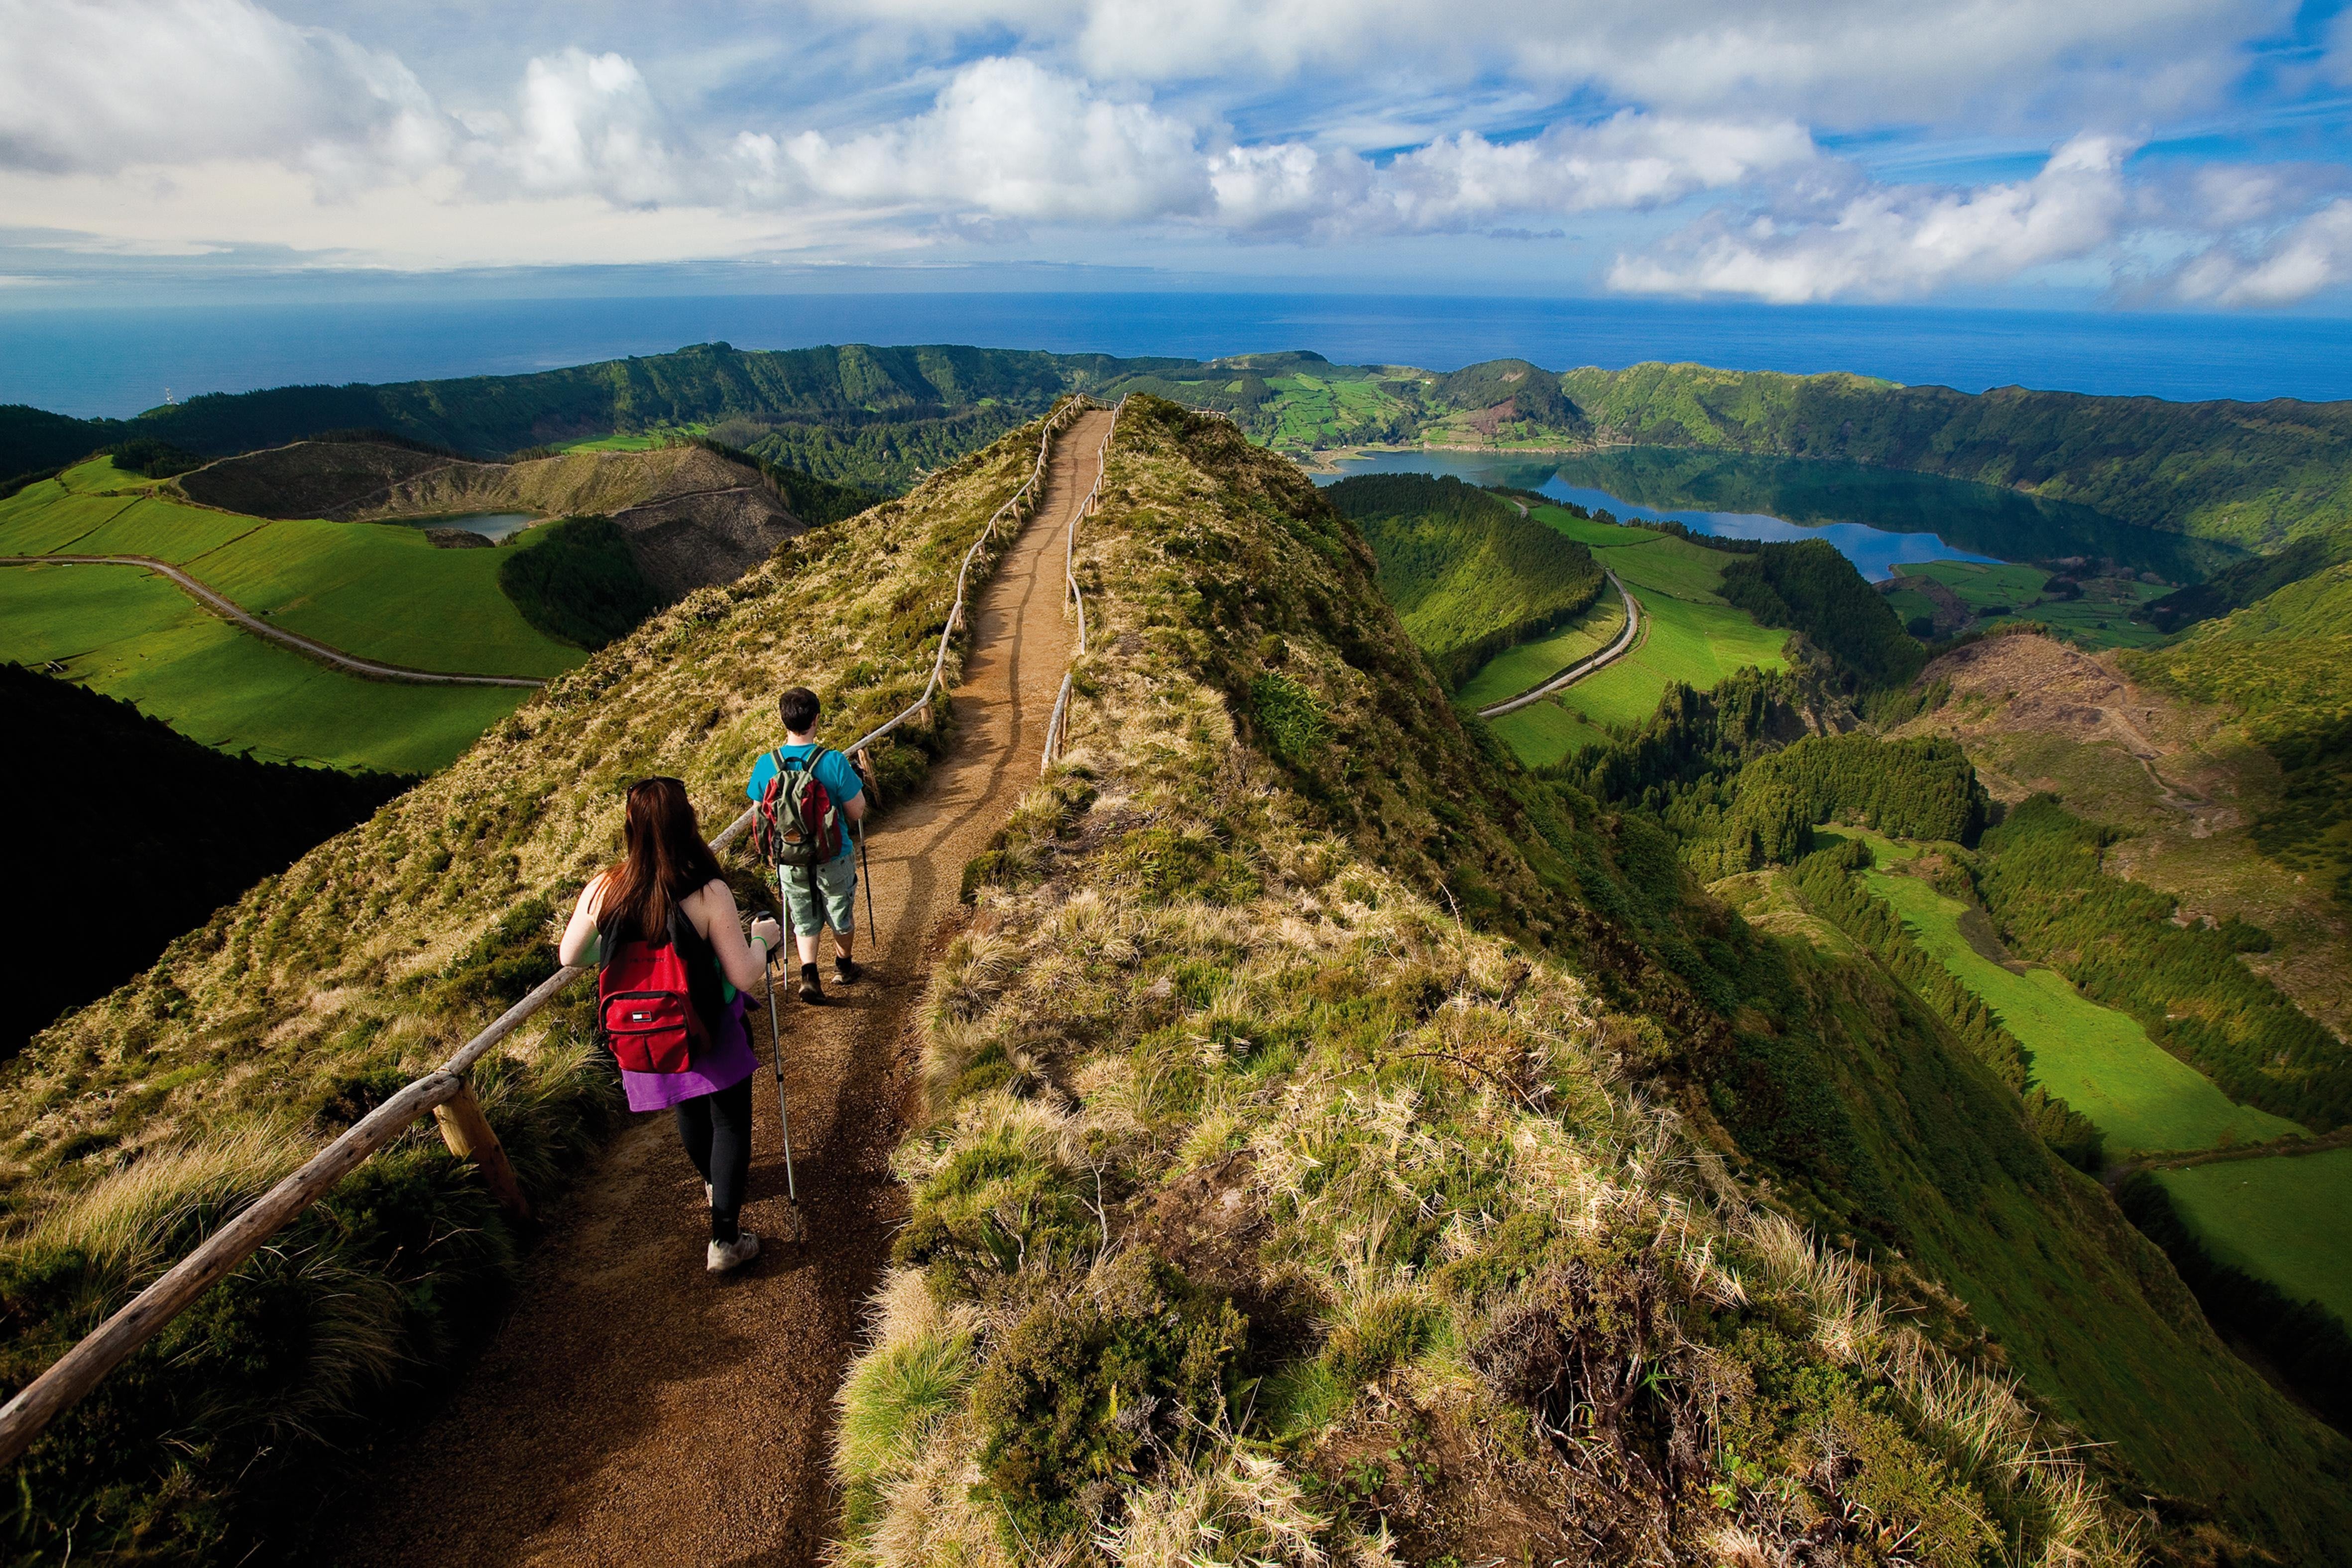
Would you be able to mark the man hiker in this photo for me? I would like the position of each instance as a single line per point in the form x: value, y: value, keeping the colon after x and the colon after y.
x: 824, y: 893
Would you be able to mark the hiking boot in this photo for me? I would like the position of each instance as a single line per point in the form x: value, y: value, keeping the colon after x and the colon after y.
x: 847, y: 970
x: 726, y: 1257
x: 811, y: 989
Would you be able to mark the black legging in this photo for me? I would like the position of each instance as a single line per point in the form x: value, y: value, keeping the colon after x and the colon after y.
x: 717, y: 1131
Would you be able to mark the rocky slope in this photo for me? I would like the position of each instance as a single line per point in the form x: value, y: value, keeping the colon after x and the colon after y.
x: 694, y: 518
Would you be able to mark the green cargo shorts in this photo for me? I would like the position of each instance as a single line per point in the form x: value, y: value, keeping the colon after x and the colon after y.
x: 835, y: 886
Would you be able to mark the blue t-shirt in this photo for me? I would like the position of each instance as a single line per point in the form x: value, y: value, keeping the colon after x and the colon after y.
x: 832, y: 770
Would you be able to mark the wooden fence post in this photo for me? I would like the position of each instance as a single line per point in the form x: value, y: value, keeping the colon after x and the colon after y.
x: 467, y: 1132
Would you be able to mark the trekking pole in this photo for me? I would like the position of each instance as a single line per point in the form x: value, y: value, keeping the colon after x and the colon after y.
x: 865, y: 875
x: 776, y: 1041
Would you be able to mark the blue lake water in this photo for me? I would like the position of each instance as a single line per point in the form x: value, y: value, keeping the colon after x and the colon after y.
x: 499, y: 525
x: 118, y: 361
x: 1875, y: 516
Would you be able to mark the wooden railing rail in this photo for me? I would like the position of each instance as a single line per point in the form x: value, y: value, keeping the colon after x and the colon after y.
x: 443, y: 1091
x: 1058, y: 728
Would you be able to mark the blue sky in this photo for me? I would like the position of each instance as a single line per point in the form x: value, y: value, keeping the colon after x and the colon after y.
x: 2177, y: 154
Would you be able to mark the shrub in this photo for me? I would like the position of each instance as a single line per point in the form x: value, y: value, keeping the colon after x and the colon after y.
x: 1090, y: 1382
x: 1288, y: 715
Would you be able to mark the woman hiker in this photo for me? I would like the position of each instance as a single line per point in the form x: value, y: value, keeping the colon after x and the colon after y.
x: 663, y: 927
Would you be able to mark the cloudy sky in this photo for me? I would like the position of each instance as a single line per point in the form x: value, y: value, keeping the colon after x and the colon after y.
x: 2167, y: 153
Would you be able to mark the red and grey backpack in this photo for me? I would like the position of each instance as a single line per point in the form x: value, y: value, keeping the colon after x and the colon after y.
x: 799, y: 822
x: 645, y: 1003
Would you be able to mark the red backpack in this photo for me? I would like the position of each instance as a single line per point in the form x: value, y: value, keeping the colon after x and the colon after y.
x: 799, y: 824
x: 644, y: 1003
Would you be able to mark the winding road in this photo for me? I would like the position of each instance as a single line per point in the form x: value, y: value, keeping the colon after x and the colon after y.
x: 228, y: 610
x: 1582, y: 667
x: 634, y: 1409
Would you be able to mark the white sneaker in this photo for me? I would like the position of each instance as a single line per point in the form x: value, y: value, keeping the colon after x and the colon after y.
x: 726, y: 1257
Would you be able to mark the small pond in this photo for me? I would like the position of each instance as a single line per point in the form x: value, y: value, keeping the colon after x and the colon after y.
x: 1875, y: 516
x: 495, y: 525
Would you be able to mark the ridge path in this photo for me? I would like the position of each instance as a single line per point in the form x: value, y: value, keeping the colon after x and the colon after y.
x: 634, y: 1409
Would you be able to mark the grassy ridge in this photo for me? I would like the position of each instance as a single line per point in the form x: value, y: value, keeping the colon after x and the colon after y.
x: 1470, y: 574
x: 1274, y: 1238
x: 138, y: 1123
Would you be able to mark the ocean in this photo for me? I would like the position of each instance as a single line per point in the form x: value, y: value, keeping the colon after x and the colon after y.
x: 116, y: 361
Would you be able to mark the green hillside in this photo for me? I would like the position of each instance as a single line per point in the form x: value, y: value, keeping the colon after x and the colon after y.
x: 1690, y: 637
x: 866, y: 416
x: 1338, y: 1130
x: 2286, y: 663
x: 1470, y: 573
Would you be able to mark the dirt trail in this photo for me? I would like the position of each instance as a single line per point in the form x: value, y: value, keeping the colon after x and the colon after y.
x: 636, y: 1410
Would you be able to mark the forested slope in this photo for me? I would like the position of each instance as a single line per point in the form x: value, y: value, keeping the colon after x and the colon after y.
x: 1470, y: 573
x: 2285, y: 662
x: 856, y: 413
x: 2257, y: 475
x: 132, y: 833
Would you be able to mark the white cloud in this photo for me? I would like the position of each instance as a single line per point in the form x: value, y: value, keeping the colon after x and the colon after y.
x: 588, y: 124
x: 1010, y: 139
x: 1891, y: 242
x: 2310, y: 255
x: 1125, y: 130
x: 106, y: 84
x: 1832, y: 62
x: 1630, y: 161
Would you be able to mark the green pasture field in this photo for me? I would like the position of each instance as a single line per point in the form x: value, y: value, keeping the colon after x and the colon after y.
x: 1978, y: 585
x: 1310, y: 412
x: 2092, y: 622
x: 1908, y: 603
x: 379, y: 591
x: 2280, y: 1220
x: 645, y: 441
x: 1698, y: 644
x: 44, y: 517
x: 1693, y: 637
x: 382, y: 591
x: 1514, y: 670
x: 1644, y: 558
x: 2097, y: 625
x: 127, y: 633
x: 168, y: 530
x: 100, y: 474
x: 2097, y: 1059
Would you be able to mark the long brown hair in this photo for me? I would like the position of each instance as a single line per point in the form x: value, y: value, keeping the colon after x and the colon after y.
x: 666, y: 860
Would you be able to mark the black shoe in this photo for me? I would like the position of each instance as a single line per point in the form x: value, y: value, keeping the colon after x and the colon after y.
x: 847, y: 970
x: 811, y: 989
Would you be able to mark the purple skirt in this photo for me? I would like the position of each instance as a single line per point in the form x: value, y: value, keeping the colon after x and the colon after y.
x: 728, y: 1063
